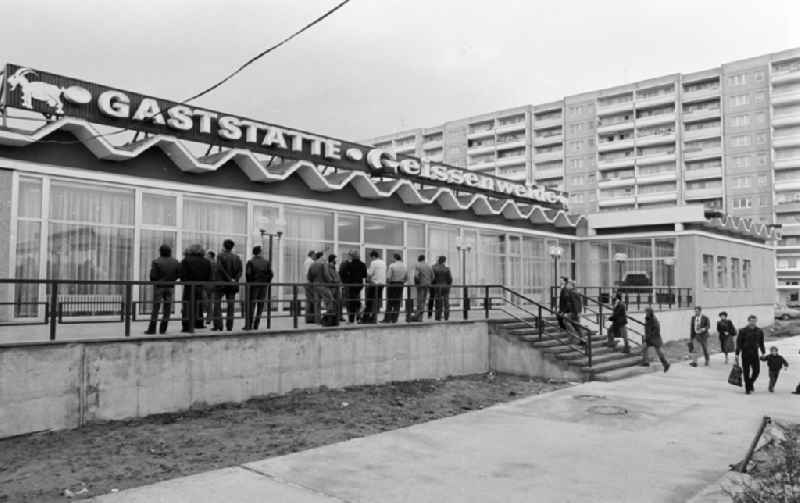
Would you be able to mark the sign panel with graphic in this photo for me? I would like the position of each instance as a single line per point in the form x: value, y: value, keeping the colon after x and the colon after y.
x: 56, y: 96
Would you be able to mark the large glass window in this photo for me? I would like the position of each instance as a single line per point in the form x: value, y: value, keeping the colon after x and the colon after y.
x: 442, y: 242
x: 746, y: 271
x: 208, y: 222
x: 722, y: 272
x: 90, y: 236
x: 708, y: 271
x: 28, y: 246
x: 736, y: 273
x: 383, y: 232
x: 349, y: 228
x: 159, y: 210
x: 305, y: 230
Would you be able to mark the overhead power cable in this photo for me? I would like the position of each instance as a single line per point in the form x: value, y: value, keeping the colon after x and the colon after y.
x: 231, y: 75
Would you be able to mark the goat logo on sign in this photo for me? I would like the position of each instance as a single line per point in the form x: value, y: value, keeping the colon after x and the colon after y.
x: 48, y: 93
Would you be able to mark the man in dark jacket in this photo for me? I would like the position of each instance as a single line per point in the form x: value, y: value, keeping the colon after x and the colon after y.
x: 164, y: 268
x: 336, y: 291
x: 258, y: 274
x: 230, y: 270
x: 748, y: 344
x: 319, y: 275
x: 619, y: 324
x: 569, y: 308
x: 194, y: 268
x: 353, y: 273
x: 698, y: 334
x: 212, y: 292
x: 442, y: 280
x: 423, y: 279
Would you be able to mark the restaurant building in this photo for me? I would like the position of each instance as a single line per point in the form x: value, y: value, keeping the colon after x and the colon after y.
x: 93, y: 179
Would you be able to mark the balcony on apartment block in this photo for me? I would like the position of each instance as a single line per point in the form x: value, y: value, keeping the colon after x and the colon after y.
x: 791, y: 139
x: 480, y: 131
x: 547, y: 121
x: 616, y: 162
x: 614, y: 124
x: 548, y: 173
x: 481, y: 148
x: 607, y: 200
x: 662, y: 98
x: 657, y: 197
x: 655, y: 157
x: 786, y: 116
x: 661, y: 176
x: 788, y: 206
x: 432, y: 141
x: 790, y: 163
x: 556, y: 155
x: 510, y: 159
x: 507, y: 143
x: 704, y: 152
x: 607, y: 146
x: 552, y: 139
x: 652, y: 120
x: 791, y: 74
x: 783, y: 184
x: 654, y: 139
x: 702, y: 133
x: 481, y: 165
x: 697, y: 114
x: 703, y: 193
x: 622, y: 104
x: 611, y: 183
x: 700, y: 93
x: 710, y: 173
x: 785, y: 95
x: 507, y: 127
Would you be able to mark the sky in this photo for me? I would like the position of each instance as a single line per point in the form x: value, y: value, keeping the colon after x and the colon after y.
x: 379, y: 66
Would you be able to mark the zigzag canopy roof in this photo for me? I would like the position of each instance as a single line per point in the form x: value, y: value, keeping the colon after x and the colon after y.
x: 261, y: 171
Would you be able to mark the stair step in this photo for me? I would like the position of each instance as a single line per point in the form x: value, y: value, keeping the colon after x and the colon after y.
x: 624, y: 373
x: 575, y: 355
x: 549, y: 342
x: 563, y: 348
x: 596, y: 359
x: 628, y: 361
x: 534, y: 331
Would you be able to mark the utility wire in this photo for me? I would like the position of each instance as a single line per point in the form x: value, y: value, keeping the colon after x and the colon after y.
x: 230, y: 75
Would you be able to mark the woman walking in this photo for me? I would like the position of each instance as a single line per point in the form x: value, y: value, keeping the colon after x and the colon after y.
x: 726, y: 332
x: 619, y: 324
x: 652, y: 338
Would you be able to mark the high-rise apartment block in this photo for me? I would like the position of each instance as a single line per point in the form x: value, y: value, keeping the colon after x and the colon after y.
x: 727, y: 137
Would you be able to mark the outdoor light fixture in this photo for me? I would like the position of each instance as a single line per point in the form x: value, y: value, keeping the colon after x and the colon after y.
x: 265, y: 226
x: 620, y: 259
x: 555, y: 252
x: 669, y: 262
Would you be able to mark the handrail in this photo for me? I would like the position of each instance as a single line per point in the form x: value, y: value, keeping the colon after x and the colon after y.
x: 628, y: 317
x: 587, y: 341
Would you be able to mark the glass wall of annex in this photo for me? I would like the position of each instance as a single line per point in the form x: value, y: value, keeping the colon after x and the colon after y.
x: 78, y: 230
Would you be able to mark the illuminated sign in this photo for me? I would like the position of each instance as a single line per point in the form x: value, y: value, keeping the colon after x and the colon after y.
x: 56, y: 96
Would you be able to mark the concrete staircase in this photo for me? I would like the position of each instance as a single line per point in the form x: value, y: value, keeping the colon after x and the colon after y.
x: 607, y: 364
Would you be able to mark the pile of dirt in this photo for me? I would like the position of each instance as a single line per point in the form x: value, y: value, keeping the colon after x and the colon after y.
x: 101, y: 457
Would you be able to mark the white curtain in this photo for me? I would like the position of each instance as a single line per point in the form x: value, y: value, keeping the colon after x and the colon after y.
x: 210, y: 215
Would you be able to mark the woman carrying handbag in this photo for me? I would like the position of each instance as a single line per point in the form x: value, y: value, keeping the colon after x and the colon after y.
x: 726, y: 332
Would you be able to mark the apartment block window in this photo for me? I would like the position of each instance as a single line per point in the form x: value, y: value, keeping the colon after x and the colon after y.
x: 758, y: 76
x: 741, y: 182
x: 575, y: 146
x: 576, y: 198
x: 737, y: 80
x: 761, y: 138
x: 746, y: 269
x: 739, y: 100
x: 741, y: 120
x: 708, y: 271
x: 577, y: 180
x: 742, y: 161
x: 762, y: 180
x: 740, y: 203
x: 722, y: 272
x: 736, y: 273
x: 742, y: 140
x: 761, y: 159
x: 575, y: 164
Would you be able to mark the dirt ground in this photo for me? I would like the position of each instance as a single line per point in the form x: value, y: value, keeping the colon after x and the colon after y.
x: 117, y: 455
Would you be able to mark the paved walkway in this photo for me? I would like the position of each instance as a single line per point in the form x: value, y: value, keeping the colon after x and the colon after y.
x: 679, y: 434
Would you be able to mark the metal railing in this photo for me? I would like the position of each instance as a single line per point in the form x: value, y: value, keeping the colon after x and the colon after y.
x: 660, y: 298
x: 601, y: 311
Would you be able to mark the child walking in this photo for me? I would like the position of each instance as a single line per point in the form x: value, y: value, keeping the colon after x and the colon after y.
x: 775, y: 363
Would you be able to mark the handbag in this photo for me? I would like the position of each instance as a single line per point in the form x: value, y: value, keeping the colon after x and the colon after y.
x: 735, y: 377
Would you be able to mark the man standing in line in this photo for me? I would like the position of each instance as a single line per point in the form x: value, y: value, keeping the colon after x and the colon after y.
x: 212, y: 292
x: 194, y: 268
x: 396, y: 277
x: 309, y: 290
x: 164, y: 268
x: 258, y: 274
x: 423, y: 279
x: 698, y: 332
x: 376, y: 278
x: 442, y: 279
x: 748, y: 343
x: 336, y: 291
x: 353, y: 273
x: 230, y: 271
x: 320, y: 278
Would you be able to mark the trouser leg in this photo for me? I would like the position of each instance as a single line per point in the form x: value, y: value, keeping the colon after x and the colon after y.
x: 259, y: 298
x: 230, y: 300
x: 623, y: 333
x: 704, y: 345
x: 773, y: 379
x: 154, y: 310
x: 431, y: 301
x: 661, y: 356
x: 446, y: 304
x: 166, y: 296
x: 309, y: 304
x: 422, y: 301
x: 611, y: 333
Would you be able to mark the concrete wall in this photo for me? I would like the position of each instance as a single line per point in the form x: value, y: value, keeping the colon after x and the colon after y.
x: 65, y: 385
x: 510, y: 355
x: 675, y: 324
x: 689, y: 271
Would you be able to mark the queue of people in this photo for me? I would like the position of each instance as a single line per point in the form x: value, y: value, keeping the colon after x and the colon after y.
x: 332, y: 293
x: 202, y: 304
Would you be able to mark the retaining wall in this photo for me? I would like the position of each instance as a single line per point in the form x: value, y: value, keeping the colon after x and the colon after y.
x: 65, y: 385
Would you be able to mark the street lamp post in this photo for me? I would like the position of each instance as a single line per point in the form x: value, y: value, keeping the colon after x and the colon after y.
x: 670, y: 263
x: 555, y: 252
x: 464, y: 246
x: 271, y: 228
